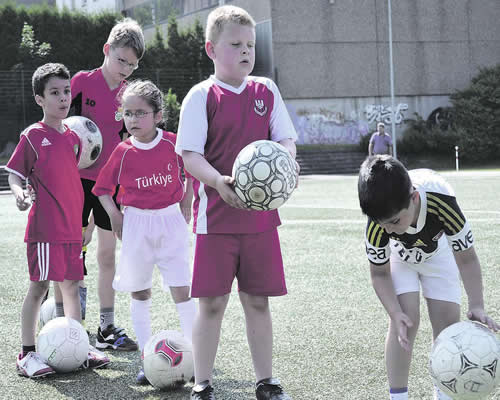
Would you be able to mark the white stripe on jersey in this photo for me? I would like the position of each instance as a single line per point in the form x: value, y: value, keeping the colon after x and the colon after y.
x: 43, y: 260
x: 201, y: 220
x: 47, y: 265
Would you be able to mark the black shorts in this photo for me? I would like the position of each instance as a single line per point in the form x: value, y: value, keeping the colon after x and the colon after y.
x: 92, y: 204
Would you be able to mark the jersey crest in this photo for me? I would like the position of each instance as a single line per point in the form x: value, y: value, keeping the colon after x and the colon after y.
x: 260, y: 108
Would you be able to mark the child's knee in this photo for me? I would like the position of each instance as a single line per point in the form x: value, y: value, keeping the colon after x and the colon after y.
x: 213, y: 306
x: 142, y: 295
x: 255, y: 303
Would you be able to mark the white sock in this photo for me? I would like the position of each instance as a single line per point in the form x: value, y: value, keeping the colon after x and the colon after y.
x: 398, y: 394
x: 440, y: 395
x: 186, y: 311
x: 140, y: 311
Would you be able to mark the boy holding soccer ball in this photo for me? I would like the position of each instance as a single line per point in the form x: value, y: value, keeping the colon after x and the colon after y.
x: 48, y: 154
x: 417, y: 236
x: 219, y: 117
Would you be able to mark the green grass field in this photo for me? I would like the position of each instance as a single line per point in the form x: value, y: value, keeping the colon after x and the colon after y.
x: 329, y: 329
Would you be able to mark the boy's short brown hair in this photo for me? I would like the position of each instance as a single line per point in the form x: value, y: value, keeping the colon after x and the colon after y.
x: 219, y: 17
x: 43, y: 73
x: 127, y: 33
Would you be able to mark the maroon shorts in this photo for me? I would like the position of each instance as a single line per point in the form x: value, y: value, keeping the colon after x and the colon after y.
x: 254, y: 259
x: 55, y: 261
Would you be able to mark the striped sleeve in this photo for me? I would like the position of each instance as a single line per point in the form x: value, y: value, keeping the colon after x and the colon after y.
x: 377, y: 243
x: 454, y: 223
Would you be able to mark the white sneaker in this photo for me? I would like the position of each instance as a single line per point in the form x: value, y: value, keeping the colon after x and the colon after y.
x: 96, y: 359
x: 32, y: 366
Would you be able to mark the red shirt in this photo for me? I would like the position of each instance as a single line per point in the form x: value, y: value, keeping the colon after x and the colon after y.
x: 49, y: 159
x: 149, y: 174
x: 92, y: 98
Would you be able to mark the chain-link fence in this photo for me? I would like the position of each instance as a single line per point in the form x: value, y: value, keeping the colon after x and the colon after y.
x: 18, y: 108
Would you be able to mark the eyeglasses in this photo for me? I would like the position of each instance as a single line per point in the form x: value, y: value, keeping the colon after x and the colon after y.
x: 138, y: 114
x: 126, y: 64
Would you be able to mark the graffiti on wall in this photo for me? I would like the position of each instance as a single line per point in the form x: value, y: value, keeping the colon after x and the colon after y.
x: 333, y: 127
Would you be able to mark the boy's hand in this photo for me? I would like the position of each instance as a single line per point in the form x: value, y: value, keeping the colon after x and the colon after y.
x: 23, y: 201
x: 224, y: 188
x: 87, y: 235
x: 185, y: 206
x: 297, y: 169
x: 117, y: 223
x: 402, y: 322
x: 31, y: 192
x: 479, y: 315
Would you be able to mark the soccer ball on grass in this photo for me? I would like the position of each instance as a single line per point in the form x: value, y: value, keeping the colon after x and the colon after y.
x: 464, y: 361
x: 168, y: 359
x: 264, y: 175
x: 64, y: 343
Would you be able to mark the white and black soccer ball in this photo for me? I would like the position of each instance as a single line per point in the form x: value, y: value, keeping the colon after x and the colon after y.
x: 90, y: 136
x: 64, y: 343
x: 264, y: 175
x: 168, y: 359
x: 464, y: 361
x: 47, y: 311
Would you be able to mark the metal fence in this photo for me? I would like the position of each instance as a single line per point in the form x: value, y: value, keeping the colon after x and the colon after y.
x: 18, y: 108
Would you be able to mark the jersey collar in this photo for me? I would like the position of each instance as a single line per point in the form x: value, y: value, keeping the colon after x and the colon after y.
x: 150, y: 145
x: 233, y: 89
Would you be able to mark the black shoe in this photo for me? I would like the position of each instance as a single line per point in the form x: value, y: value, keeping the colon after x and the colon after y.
x: 141, y: 378
x: 114, y: 338
x: 203, y: 391
x: 270, y: 389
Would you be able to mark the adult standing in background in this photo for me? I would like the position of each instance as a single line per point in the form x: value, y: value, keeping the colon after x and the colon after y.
x: 380, y: 142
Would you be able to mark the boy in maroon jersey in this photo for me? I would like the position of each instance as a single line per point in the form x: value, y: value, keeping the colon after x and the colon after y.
x: 219, y: 117
x: 94, y: 95
x: 48, y: 154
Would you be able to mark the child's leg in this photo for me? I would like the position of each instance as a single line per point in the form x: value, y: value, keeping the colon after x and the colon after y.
x: 31, y: 309
x: 58, y: 297
x: 259, y: 333
x: 397, y: 359
x: 71, y: 299
x: 442, y: 314
x: 140, y: 311
x: 206, y: 334
x: 186, y: 308
x: 106, y: 244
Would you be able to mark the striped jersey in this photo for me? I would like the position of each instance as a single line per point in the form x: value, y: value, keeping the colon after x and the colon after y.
x: 92, y: 98
x: 440, y: 223
x: 217, y: 121
x: 149, y: 174
x: 49, y: 159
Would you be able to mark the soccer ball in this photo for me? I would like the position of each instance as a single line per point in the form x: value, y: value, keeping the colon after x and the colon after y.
x: 64, y: 343
x: 264, y: 175
x: 464, y: 361
x: 168, y: 359
x: 90, y: 136
x: 47, y: 311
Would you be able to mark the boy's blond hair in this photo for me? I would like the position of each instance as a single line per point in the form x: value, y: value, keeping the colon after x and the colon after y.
x: 221, y: 16
x: 128, y: 33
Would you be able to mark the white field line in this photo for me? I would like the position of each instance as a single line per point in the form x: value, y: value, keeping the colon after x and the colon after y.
x: 360, y: 221
x: 319, y: 206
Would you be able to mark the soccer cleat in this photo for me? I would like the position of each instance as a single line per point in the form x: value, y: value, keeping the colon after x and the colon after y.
x: 141, y: 378
x: 96, y: 359
x: 32, y: 365
x: 114, y: 338
x: 270, y: 389
x: 203, y: 391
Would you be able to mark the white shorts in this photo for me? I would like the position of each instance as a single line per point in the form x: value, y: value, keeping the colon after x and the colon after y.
x: 438, y: 276
x: 152, y: 237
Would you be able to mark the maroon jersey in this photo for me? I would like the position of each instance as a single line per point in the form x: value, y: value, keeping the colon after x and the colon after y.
x: 49, y: 159
x: 92, y: 98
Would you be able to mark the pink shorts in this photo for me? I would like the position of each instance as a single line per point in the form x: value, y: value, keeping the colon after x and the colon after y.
x: 254, y: 259
x: 55, y: 261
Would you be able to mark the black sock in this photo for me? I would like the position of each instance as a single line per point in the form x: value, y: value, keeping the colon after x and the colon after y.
x: 27, y: 349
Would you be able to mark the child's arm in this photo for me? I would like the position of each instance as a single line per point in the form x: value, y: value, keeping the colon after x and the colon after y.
x: 187, y: 200
x: 470, y: 271
x: 115, y: 215
x: 23, y: 199
x: 88, y: 230
x: 201, y: 169
x: 382, y: 283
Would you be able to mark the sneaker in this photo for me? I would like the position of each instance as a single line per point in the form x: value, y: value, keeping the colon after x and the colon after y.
x: 141, y: 378
x: 270, y: 389
x: 114, y: 338
x: 203, y: 391
x: 96, y: 359
x: 32, y: 366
